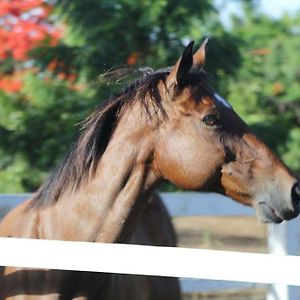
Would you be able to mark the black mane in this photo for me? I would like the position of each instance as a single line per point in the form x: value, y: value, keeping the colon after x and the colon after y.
x: 83, y: 156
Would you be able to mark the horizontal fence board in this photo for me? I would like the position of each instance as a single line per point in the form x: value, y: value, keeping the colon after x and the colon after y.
x: 9, y: 201
x: 192, y: 285
x: 203, y: 204
x: 160, y: 261
x: 178, y: 204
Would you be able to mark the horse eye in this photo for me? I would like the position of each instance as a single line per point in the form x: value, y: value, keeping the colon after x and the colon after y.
x: 211, y: 120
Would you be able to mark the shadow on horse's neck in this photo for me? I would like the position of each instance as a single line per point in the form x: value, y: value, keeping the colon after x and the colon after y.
x: 106, y: 206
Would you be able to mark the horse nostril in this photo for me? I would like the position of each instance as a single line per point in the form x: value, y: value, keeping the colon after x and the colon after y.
x: 297, y: 189
x: 296, y: 195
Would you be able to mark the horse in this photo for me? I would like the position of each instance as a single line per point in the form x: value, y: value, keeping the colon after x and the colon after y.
x: 168, y: 125
x: 155, y: 228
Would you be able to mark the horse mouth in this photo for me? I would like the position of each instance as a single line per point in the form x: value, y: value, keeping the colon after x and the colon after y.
x: 268, y: 214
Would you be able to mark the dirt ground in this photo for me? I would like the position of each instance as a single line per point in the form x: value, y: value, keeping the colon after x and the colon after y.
x: 223, y: 233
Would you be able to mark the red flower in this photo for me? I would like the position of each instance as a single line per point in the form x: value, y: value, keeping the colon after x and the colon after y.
x: 10, y: 84
x: 24, y: 26
x: 133, y: 58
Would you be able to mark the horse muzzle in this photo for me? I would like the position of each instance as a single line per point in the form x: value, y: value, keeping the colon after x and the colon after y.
x: 296, y: 197
x: 270, y: 211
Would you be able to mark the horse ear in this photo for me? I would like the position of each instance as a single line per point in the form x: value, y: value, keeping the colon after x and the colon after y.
x: 199, y: 56
x: 181, y: 69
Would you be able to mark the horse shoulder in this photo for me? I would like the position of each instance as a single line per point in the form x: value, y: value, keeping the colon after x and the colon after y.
x: 20, y: 222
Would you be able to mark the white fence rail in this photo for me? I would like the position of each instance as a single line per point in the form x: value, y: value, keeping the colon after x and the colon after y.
x: 150, y: 260
x: 218, y: 265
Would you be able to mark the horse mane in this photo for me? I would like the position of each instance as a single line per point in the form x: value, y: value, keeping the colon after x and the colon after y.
x: 84, y: 155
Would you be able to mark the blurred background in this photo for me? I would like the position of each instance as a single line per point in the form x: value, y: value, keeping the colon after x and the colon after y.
x: 52, y: 53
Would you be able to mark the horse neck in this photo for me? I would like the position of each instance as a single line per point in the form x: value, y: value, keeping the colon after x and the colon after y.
x: 107, y: 206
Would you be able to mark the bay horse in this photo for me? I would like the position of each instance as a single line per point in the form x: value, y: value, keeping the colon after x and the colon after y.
x: 154, y: 228
x: 167, y: 125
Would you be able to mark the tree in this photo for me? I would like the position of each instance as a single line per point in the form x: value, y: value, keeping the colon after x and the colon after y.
x: 265, y: 90
x: 59, y: 79
x: 24, y: 25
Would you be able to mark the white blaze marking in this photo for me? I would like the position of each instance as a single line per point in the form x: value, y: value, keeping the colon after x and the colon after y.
x: 222, y: 101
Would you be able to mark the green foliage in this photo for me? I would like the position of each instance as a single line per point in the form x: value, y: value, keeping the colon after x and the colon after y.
x: 103, y: 34
x: 291, y: 153
x: 114, y: 29
x: 266, y: 89
x: 36, y: 127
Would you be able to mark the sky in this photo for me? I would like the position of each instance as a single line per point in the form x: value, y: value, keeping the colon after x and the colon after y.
x: 274, y: 8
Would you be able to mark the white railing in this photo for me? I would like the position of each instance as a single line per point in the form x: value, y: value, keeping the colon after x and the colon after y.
x: 219, y: 265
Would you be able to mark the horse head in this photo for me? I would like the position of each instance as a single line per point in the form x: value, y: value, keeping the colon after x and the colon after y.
x: 204, y: 144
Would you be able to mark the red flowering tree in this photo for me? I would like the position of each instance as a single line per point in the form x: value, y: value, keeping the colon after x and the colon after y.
x: 24, y: 24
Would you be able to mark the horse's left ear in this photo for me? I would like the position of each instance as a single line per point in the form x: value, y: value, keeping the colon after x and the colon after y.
x: 199, y: 56
x: 179, y: 72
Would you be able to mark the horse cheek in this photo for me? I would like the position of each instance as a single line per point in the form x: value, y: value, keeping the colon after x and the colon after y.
x: 185, y: 165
